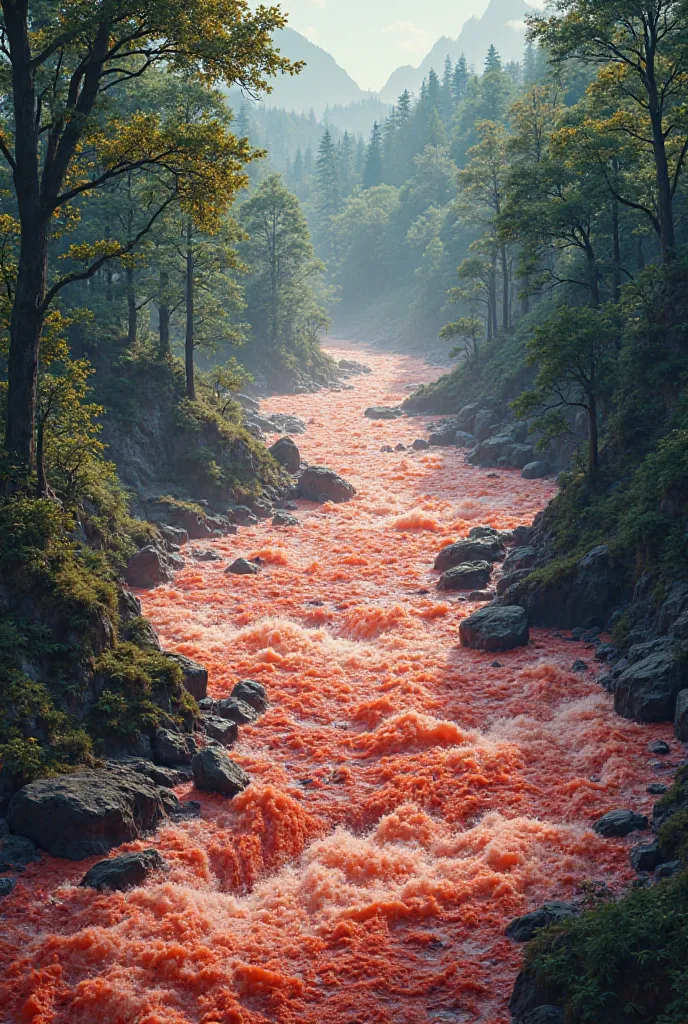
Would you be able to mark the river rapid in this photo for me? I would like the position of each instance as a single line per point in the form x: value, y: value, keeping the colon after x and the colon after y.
x: 409, y: 797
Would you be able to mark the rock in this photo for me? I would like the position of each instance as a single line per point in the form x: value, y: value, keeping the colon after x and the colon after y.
x: 284, y: 519
x: 519, y: 558
x: 123, y: 872
x: 220, y: 729
x: 463, y: 440
x: 511, y: 579
x: 384, y: 412
x: 252, y: 693
x: 606, y: 652
x: 287, y: 454
x: 681, y: 717
x: 215, y: 772
x: 579, y: 666
x: 465, y: 551
x: 195, y: 676
x: 443, y: 438
x: 235, y: 710
x: 242, y: 515
x: 173, y: 534
x: 620, y: 823
x: 159, y: 774
x: 657, y: 789
x: 474, y: 575
x: 669, y: 869
x: 6, y: 886
x: 242, y: 567
x: 536, y: 470
x: 523, y: 929
x: 484, y: 424
x: 531, y: 995
x: 321, y: 484
x: 288, y: 423
x: 206, y: 555
x: 647, y: 690
x: 484, y: 596
x: 495, y: 629
x: 645, y: 856
x: 660, y: 748
x: 146, y: 569
x: 170, y: 748
x: 87, y: 813
x: 16, y: 852
x: 501, y: 451
x: 420, y: 445
x: 522, y: 536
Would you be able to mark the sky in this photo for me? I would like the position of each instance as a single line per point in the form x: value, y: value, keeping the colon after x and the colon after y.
x: 371, y: 38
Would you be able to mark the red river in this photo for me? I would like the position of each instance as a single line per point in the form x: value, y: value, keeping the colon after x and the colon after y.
x: 409, y: 797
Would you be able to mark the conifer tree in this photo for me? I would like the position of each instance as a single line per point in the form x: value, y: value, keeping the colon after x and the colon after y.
x: 327, y: 179
x: 460, y: 80
x: 493, y: 62
x: 372, y: 171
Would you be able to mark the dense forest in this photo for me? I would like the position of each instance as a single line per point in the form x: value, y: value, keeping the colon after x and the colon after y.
x: 165, y: 241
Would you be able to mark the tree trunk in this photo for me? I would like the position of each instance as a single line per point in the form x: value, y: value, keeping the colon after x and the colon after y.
x: 505, y: 289
x: 665, y: 201
x: 132, y: 312
x: 189, y: 341
x: 593, y: 276
x: 641, y: 254
x: 164, y: 349
x: 42, y: 481
x: 493, y: 294
x: 593, y: 442
x: 616, y: 253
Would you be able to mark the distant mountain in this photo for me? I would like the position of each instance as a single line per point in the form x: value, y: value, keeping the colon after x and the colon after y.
x: 503, y: 24
x: 322, y: 83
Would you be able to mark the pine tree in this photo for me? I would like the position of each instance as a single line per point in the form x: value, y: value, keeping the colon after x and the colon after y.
x: 493, y: 62
x: 327, y: 179
x: 345, y: 162
x: 372, y: 172
x: 297, y: 169
x: 460, y: 80
x: 530, y: 72
x: 434, y: 90
x: 447, y: 92
x: 243, y: 123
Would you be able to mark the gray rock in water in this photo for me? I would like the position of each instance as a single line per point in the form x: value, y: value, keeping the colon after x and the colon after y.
x: 523, y: 929
x: 206, y: 555
x: 660, y: 748
x: 242, y: 567
x: 472, y: 576
x: 252, y: 693
x: 321, y: 484
x: 147, y: 569
x: 443, y: 438
x: 681, y: 717
x: 288, y: 423
x: 465, y: 551
x: 495, y: 629
x: 16, y: 852
x: 645, y: 856
x: 6, y: 886
x: 420, y: 445
x: 123, y: 872
x: 195, y: 676
x: 536, y: 470
x: 221, y: 729
x: 383, y: 412
x: 647, y: 690
x: 519, y: 558
x: 287, y: 454
x: 463, y: 440
x: 87, y: 813
x: 284, y: 519
x: 216, y: 773
x: 620, y: 823
x: 235, y: 710
x: 170, y: 748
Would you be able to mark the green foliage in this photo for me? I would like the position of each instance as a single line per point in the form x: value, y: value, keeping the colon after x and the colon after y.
x: 625, y: 962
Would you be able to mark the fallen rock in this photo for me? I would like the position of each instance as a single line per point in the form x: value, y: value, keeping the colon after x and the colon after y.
x: 465, y: 551
x: 252, y: 693
x: 645, y: 856
x: 87, y: 813
x: 215, y: 772
x: 495, y: 629
x: 287, y: 454
x: 647, y: 690
x: 235, y: 710
x: 195, y: 676
x: 147, y: 569
x: 321, y: 484
x: 242, y: 567
x: 220, y: 729
x: 472, y: 576
x: 284, y: 519
x: 523, y: 929
x: 383, y: 412
x: 170, y: 748
x: 620, y: 823
x: 681, y: 717
x: 420, y: 445
x: 16, y: 852
x: 536, y: 470
x: 123, y: 872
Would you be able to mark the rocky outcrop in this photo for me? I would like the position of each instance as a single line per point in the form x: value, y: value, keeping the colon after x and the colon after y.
x: 123, y: 872
x: 495, y: 629
x: 195, y: 676
x: 681, y: 717
x: 215, y: 772
x: 502, y: 452
x: 525, y: 928
x: 77, y: 816
x: 321, y: 484
x: 147, y: 568
x: 171, y: 748
x: 287, y: 454
x: 647, y: 682
x: 252, y: 693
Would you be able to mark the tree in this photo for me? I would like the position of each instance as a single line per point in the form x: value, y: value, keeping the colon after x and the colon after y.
x: 63, y: 142
x: 328, y: 189
x: 372, y: 171
x: 469, y: 329
x: 576, y: 353
x: 460, y: 80
x: 493, y: 62
x: 641, y: 49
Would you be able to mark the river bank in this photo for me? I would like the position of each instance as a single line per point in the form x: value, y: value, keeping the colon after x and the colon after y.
x: 409, y: 797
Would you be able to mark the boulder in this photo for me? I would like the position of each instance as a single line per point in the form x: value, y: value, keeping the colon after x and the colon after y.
x: 484, y: 424
x: 252, y: 693
x: 523, y: 929
x: 620, y: 823
x: 87, y: 813
x: 147, y: 569
x: 206, y: 555
x: 647, y: 689
x: 669, y: 869
x: 536, y: 470
x: 384, y: 412
x: 235, y: 710
x: 445, y: 438
x: 215, y: 772
x: 16, y: 852
x: 532, y: 994
x: 284, y: 519
x: 353, y: 366
x: 501, y: 451
x: 511, y: 579
x: 465, y: 551
x: 6, y: 886
x: 173, y: 535
x: 495, y: 629
x: 522, y: 536
x: 242, y: 567
x: 645, y: 856
x: 288, y: 423
x: 472, y: 576
x: 123, y: 872
x: 170, y: 748
x: 519, y: 558
x: 681, y: 717
x: 420, y: 445
x: 321, y: 484
x: 463, y: 440
x: 220, y: 729
x: 195, y: 676
x: 190, y: 520
x: 287, y: 454
x: 159, y: 774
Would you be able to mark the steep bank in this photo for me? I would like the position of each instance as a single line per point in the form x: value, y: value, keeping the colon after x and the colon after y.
x: 409, y: 796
